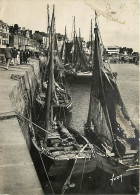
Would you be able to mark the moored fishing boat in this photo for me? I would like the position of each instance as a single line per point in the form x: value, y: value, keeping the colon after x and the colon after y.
x: 108, y: 126
x: 61, y: 95
x: 60, y: 148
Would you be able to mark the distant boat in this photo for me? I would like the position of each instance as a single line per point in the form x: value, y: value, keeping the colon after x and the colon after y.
x: 81, y: 62
x: 108, y: 124
x: 75, y: 59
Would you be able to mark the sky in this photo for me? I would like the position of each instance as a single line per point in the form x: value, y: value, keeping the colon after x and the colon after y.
x: 118, y: 19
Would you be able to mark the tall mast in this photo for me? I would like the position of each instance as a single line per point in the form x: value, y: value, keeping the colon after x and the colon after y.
x: 48, y: 27
x: 79, y: 33
x: 54, y: 19
x: 80, y: 37
x: 74, y: 40
x: 49, y: 108
x: 74, y: 29
x: 95, y: 19
x: 53, y: 48
x: 48, y: 17
x: 91, y: 39
x: 65, y: 32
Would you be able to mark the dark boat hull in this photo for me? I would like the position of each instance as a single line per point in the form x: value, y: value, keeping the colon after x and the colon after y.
x: 110, y: 164
x: 58, y: 162
x: 61, y: 167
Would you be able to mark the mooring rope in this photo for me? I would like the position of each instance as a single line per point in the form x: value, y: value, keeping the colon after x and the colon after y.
x: 82, y: 174
x: 33, y: 123
x: 7, y: 112
x: 27, y: 120
x: 46, y: 173
x: 69, y: 177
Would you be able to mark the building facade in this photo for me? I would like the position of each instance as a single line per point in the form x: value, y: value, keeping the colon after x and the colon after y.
x: 113, y: 50
x: 4, y: 34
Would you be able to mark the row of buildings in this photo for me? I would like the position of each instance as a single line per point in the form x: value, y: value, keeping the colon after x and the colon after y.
x: 22, y: 38
x: 17, y: 37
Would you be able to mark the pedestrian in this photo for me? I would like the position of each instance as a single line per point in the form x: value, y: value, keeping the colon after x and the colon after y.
x: 12, y: 59
x: 21, y: 56
x: 25, y: 56
x: 18, y: 56
x: 28, y: 55
x: 8, y: 56
x: 15, y: 53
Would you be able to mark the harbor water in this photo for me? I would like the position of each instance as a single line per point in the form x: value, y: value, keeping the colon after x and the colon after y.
x: 128, y: 84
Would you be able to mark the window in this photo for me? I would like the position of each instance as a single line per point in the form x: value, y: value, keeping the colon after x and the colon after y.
x: 3, y: 42
x: 5, y: 35
x: 112, y: 48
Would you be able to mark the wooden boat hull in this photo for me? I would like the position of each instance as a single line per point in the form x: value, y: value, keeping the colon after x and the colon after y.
x: 61, y: 167
x: 67, y: 105
x: 104, y: 163
x: 109, y: 164
x: 59, y: 161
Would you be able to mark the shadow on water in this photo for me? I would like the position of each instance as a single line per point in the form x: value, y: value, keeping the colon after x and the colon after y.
x: 95, y: 182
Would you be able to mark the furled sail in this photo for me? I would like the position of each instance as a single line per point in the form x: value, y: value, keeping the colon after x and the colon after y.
x: 82, y: 55
x: 80, y: 61
x: 51, y: 78
x: 66, y: 52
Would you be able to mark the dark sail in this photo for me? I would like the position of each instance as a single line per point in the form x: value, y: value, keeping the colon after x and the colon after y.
x: 98, y: 112
x: 66, y: 52
x: 81, y: 54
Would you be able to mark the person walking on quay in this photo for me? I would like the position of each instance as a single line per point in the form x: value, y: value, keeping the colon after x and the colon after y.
x: 21, y: 56
x: 18, y: 56
x: 28, y: 55
x: 24, y: 56
x: 15, y: 55
x: 8, y: 56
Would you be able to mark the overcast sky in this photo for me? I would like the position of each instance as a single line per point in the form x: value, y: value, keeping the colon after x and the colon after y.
x: 118, y: 19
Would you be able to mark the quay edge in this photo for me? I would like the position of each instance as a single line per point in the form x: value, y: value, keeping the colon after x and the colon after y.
x: 17, y: 171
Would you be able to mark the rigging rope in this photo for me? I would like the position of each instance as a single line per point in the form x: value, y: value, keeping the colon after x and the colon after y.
x: 64, y: 115
x: 32, y: 122
x: 69, y: 177
x: 82, y: 174
x: 46, y: 173
x: 6, y: 112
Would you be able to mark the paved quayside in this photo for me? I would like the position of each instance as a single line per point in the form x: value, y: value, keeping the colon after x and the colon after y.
x: 17, y: 172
